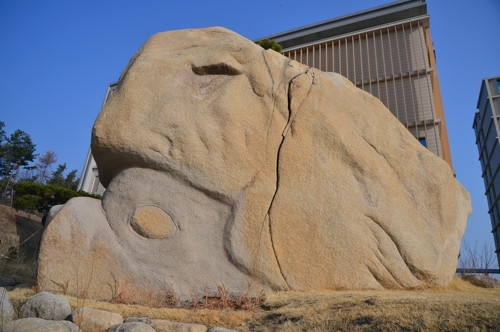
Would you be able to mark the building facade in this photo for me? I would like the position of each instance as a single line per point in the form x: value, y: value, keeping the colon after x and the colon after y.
x: 89, y: 181
x: 487, y: 129
x: 388, y: 52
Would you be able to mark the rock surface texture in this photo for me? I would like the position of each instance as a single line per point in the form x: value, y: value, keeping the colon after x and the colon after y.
x: 89, y: 319
x: 227, y: 165
x: 46, y: 306
x: 39, y: 325
x: 131, y: 327
x: 7, y: 312
x: 161, y: 325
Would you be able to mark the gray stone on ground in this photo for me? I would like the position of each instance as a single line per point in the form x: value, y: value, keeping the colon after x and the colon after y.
x: 90, y: 319
x: 221, y: 329
x: 161, y: 325
x: 4, y: 281
x: 7, y: 312
x: 131, y: 327
x: 46, y: 305
x: 52, y: 213
x: 483, y: 281
x: 144, y: 319
x: 39, y: 325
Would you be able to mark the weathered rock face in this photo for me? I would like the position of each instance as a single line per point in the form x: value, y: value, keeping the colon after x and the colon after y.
x: 227, y: 164
x: 7, y: 312
x: 46, y: 306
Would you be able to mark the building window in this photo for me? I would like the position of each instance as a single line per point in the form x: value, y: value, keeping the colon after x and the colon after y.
x: 95, y: 181
x: 423, y: 141
x: 498, y: 85
x: 95, y: 184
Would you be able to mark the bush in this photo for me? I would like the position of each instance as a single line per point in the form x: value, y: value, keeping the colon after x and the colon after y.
x: 41, y: 197
x: 270, y: 44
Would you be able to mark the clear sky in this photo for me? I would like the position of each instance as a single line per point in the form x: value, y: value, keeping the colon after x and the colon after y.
x: 57, y: 58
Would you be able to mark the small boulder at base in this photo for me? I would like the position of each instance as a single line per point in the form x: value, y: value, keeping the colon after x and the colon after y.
x: 131, y: 327
x: 89, y: 319
x: 482, y: 281
x: 39, y: 325
x: 142, y: 319
x: 47, y: 306
x: 161, y: 325
x: 7, y: 312
x: 221, y: 329
x: 227, y: 165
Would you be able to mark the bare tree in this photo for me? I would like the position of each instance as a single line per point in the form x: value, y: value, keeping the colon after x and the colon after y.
x: 44, y: 165
x: 472, y: 259
x: 488, y: 258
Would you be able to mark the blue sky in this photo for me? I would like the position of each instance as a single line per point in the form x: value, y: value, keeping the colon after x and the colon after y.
x: 57, y: 58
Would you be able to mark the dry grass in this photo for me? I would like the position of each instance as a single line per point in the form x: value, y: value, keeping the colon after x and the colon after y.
x: 458, y: 307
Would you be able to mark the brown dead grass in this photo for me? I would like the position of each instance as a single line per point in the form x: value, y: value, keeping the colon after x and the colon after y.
x: 458, y: 307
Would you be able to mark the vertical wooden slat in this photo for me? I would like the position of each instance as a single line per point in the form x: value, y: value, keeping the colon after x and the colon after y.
x: 333, y: 56
x: 376, y: 63
x: 314, y: 55
x: 409, y: 79
x: 320, y: 68
x: 340, y: 59
x: 393, y: 74
x: 361, y: 61
x: 326, y: 56
x: 353, y: 60
x: 346, y: 59
x: 401, y: 77
x: 369, y: 67
x: 385, y: 72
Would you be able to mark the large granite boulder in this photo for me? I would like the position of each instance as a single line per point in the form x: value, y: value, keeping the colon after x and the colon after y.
x: 227, y: 165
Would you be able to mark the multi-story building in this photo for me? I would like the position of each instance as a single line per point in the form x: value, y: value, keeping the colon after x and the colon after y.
x: 487, y: 128
x: 386, y: 51
x: 89, y: 181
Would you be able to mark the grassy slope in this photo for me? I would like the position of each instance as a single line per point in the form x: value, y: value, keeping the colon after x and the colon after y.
x: 459, y: 307
x: 16, y: 228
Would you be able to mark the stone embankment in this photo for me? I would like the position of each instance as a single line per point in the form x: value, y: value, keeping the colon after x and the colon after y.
x: 48, y: 312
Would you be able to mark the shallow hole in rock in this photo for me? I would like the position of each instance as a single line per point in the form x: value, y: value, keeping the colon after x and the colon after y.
x: 152, y: 222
